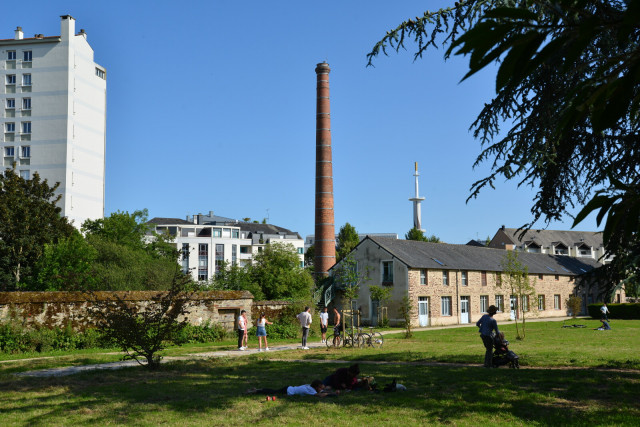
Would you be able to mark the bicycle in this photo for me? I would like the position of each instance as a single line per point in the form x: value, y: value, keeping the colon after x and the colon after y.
x: 372, y: 338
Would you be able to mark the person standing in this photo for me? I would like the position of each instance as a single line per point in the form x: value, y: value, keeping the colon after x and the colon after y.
x: 246, y: 331
x: 262, y: 332
x: 605, y: 311
x: 305, y: 322
x: 488, y: 324
x: 242, y: 329
x: 324, y: 323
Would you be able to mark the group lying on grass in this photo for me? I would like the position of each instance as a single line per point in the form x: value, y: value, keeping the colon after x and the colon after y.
x: 342, y: 380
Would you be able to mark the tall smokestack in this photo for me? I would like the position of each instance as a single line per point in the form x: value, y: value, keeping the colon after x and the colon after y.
x: 325, y: 244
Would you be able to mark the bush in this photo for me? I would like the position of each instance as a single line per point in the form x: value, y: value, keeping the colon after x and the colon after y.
x: 616, y: 311
x: 15, y: 338
x: 207, y: 332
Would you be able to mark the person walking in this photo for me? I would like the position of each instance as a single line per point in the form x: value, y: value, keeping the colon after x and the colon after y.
x: 261, y: 333
x: 605, y: 311
x: 305, y: 322
x: 242, y: 329
x: 324, y: 323
x: 488, y: 324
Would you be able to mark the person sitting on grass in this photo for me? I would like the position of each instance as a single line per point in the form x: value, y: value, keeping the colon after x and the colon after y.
x: 343, y: 378
x: 314, y: 389
x: 605, y: 325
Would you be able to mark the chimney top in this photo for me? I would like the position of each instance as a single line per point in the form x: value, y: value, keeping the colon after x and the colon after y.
x: 19, y: 34
x: 322, y: 67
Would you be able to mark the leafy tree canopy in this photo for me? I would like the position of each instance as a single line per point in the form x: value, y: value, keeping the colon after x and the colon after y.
x: 29, y: 219
x: 277, y: 270
x: 347, y: 240
x: 568, y: 97
x: 418, y: 235
x: 121, y: 227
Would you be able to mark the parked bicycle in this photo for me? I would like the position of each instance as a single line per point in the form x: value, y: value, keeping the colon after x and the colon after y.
x: 357, y: 338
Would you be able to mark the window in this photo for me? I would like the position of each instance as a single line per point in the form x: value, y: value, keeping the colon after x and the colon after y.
x: 445, y: 278
x: 9, y: 127
x: 27, y: 55
x: 300, y: 251
x: 11, y: 103
x: 11, y: 55
x: 203, y: 261
x: 525, y: 303
x: 25, y: 175
x: 244, y: 249
x: 446, y: 306
x: 387, y: 272
x: 26, y: 127
x: 217, y: 232
x: 423, y: 277
x: 540, y: 276
x: 540, y: 302
x: 556, y: 302
x: 557, y: 277
x: 25, y: 151
x: 483, y: 278
x: 11, y: 79
x: 235, y: 233
x: 26, y: 103
x: 500, y: 303
x: 185, y: 258
x: 9, y: 151
x: 484, y: 303
x: 219, y: 257
x: 234, y: 254
x: 464, y: 278
x: 26, y: 80
x: 100, y: 73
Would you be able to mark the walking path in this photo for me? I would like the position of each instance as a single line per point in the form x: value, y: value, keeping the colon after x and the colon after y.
x: 70, y: 370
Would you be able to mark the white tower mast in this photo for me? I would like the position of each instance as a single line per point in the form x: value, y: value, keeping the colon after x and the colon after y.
x: 417, y: 221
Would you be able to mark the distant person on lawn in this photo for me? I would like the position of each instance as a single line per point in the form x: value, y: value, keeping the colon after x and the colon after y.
x: 305, y: 322
x: 487, y: 325
x: 314, y: 389
x: 324, y: 323
x: 242, y: 329
x: 605, y: 311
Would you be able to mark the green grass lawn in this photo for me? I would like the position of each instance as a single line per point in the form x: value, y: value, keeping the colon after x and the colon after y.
x: 210, y: 391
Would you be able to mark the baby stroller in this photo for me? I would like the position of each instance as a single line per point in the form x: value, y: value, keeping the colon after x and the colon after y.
x: 502, y: 355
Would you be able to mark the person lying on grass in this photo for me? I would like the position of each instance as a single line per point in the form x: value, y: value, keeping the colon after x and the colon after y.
x: 314, y: 389
x: 343, y: 378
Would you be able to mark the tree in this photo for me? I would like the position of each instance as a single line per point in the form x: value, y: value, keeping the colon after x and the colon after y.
x: 347, y: 240
x: 309, y: 255
x: 143, y: 331
x: 381, y: 294
x: 121, y: 227
x: 568, y: 95
x: 65, y: 266
x: 29, y: 219
x: 418, y: 235
x: 574, y: 304
x: 406, y: 310
x: 277, y: 272
x: 515, y: 276
x: 235, y: 278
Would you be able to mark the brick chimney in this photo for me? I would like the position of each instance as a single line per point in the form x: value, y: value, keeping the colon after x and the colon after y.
x: 325, y: 236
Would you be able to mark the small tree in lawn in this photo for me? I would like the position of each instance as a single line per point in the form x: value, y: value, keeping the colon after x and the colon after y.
x: 516, y: 278
x: 382, y: 294
x: 406, y: 309
x: 142, y: 332
x: 574, y: 304
x: 348, y: 280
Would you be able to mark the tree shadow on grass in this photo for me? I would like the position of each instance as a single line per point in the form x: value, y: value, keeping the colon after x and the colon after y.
x: 189, y: 390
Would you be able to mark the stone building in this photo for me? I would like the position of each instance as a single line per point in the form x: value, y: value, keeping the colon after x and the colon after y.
x: 453, y: 284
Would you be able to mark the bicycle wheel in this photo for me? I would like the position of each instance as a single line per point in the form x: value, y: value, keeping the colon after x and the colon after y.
x: 334, y: 341
x: 377, y: 340
x: 361, y: 340
x: 348, y: 341
x: 365, y: 340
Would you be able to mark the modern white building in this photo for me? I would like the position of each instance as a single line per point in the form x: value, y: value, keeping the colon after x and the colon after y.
x: 53, y: 119
x: 206, y: 241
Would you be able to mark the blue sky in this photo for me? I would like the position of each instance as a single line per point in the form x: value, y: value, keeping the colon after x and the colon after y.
x: 211, y: 106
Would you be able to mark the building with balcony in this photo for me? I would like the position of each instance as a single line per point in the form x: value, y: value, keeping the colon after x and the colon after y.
x: 207, y: 242
x: 53, y: 116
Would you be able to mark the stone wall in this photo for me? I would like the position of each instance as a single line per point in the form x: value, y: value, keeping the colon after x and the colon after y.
x: 58, y: 309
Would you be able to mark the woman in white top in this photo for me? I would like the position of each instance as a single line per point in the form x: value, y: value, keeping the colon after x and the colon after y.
x: 262, y: 332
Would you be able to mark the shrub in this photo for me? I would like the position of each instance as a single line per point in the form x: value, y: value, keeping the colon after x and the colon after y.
x: 14, y: 338
x: 616, y: 311
x: 574, y: 304
x: 207, y: 332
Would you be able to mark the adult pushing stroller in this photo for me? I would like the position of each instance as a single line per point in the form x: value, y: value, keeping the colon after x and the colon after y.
x: 502, y: 355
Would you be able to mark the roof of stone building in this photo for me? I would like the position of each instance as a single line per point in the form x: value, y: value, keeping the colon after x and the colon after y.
x: 446, y: 256
x: 554, y: 237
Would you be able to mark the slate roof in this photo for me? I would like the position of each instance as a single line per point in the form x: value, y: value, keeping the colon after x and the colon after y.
x: 548, y: 237
x: 465, y: 257
x: 168, y: 221
x: 265, y: 229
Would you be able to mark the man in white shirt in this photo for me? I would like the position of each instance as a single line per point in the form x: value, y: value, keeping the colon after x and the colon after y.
x: 605, y: 311
x: 305, y: 321
x: 314, y: 389
x: 324, y: 323
x: 242, y: 330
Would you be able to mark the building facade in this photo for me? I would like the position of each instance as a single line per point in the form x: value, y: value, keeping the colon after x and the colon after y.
x: 207, y: 242
x: 53, y: 120
x: 455, y: 284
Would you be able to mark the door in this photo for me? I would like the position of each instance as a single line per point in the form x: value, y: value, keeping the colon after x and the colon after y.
x: 514, y: 307
x: 464, y: 309
x: 423, y: 311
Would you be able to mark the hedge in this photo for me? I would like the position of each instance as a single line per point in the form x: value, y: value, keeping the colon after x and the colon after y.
x: 616, y: 311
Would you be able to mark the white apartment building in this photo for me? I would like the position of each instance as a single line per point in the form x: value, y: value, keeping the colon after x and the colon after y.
x: 206, y: 241
x: 53, y: 119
